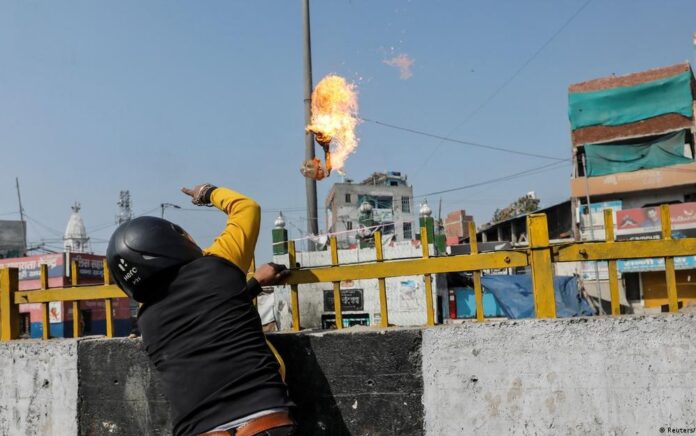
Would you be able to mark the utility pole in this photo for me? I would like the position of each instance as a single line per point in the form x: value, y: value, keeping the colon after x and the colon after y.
x: 310, y: 184
x: 592, y: 234
x: 21, y: 218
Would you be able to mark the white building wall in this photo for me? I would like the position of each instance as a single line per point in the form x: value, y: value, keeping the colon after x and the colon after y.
x: 405, y: 295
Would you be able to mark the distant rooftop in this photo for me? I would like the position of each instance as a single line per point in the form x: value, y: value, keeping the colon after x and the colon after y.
x: 389, y: 178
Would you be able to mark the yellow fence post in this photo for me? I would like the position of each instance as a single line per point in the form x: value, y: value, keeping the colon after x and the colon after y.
x: 45, y: 321
x: 75, y: 304
x: 613, y: 274
x: 108, y: 303
x: 478, y: 289
x: 9, y: 311
x: 430, y: 315
x: 336, y: 285
x: 294, y: 300
x: 670, y: 275
x: 542, y: 269
x: 381, y: 282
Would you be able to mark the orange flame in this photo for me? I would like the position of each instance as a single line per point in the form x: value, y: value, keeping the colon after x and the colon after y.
x: 334, y: 115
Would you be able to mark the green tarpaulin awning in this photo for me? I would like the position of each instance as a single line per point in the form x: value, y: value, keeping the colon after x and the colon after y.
x: 603, y: 159
x: 628, y: 104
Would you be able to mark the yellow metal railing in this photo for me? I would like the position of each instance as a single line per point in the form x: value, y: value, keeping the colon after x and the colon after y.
x: 11, y: 297
x: 539, y: 256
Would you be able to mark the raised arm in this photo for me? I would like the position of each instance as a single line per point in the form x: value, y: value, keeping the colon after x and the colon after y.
x: 237, y: 241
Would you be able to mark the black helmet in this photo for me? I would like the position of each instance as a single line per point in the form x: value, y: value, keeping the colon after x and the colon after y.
x: 145, y: 249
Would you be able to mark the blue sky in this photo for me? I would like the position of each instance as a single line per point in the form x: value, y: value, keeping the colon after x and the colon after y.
x: 96, y: 97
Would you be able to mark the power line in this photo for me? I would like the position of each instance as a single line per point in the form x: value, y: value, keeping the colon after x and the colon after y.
x: 50, y: 229
x: 507, y: 81
x: 106, y: 226
x: 277, y: 210
x: 460, y: 141
x: 547, y: 167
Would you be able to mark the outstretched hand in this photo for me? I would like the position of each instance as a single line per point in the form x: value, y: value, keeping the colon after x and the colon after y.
x: 193, y: 192
x: 197, y: 193
x: 271, y: 274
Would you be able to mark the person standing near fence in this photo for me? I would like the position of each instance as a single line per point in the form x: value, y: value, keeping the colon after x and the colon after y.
x: 198, y: 322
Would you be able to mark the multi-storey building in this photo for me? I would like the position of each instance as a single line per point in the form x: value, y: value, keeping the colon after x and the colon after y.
x: 390, y: 201
x: 633, y: 149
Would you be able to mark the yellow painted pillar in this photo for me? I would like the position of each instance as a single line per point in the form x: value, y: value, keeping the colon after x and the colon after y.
x: 75, y: 304
x: 108, y: 304
x: 478, y: 289
x: 613, y: 273
x: 430, y: 313
x: 670, y: 275
x: 542, y: 269
x: 294, y: 299
x: 381, y: 282
x: 336, y: 285
x: 9, y: 311
x: 45, y: 321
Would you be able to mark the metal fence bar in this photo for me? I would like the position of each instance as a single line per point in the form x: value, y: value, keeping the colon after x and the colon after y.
x: 613, y: 273
x: 412, y: 267
x: 9, y: 312
x: 381, y: 283
x: 670, y: 275
x: 99, y: 292
x: 336, y: 284
x: 582, y: 251
x: 542, y: 269
x: 294, y: 299
x: 75, y: 304
x: 108, y: 303
x: 430, y: 314
x: 478, y: 289
x: 45, y: 321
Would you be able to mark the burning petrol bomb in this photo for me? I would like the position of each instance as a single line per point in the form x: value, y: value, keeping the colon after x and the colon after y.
x: 333, y: 123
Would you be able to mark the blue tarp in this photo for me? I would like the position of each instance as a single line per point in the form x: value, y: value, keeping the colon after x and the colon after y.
x: 515, y: 297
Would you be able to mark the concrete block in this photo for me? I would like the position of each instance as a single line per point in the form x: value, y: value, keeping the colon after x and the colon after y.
x: 120, y: 392
x: 38, y: 387
x: 355, y: 382
x: 582, y: 376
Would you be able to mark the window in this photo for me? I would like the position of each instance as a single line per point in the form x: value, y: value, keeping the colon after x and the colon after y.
x: 377, y: 201
x: 408, y: 234
x: 349, y: 225
x: 387, y: 228
x: 347, y: 198
x: 405, y: 204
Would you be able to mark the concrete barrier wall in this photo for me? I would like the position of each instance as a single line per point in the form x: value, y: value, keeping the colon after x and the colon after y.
x: 629, y: 375
x: 584, y: 376
x: 38, y: 387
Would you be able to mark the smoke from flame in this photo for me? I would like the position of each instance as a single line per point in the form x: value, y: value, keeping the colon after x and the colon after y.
x: 334, y: 114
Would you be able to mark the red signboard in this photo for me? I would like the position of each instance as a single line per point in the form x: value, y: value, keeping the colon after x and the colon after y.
x: 646, y: 223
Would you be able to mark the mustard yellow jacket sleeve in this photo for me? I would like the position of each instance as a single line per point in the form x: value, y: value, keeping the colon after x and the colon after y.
x: 237, y: 242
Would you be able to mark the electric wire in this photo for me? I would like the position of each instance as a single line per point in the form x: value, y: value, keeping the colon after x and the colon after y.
x: 460, y: 141
x: 531, y: 171
x: 497, y: 91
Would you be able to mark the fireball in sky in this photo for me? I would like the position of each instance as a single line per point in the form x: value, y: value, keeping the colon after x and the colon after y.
x: 335, y: 118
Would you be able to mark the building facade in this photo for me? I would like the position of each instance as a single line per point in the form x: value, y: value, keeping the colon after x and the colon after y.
x: 633, y: 150
x: 391, y: 207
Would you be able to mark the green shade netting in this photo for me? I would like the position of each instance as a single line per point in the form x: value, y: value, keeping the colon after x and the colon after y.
x: 603, y: 159
x: 617, y: 106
